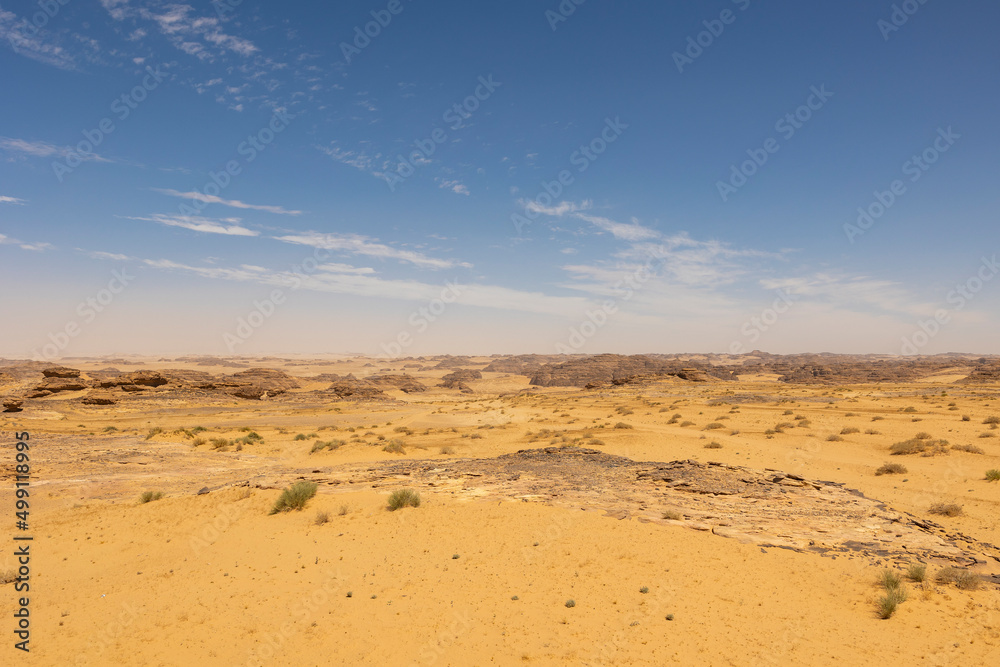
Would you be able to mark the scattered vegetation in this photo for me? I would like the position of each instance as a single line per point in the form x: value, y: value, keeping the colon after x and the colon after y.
x: 447, y: 450
x: 154, y: 432
x: 644, y: 590
x: 149, y: 496
x: 925, y: 446
x: 833, y: 437
x: 110, y: 429
x: 877, y: 418
x: 993, y: 475
x: 332, y: 445
x: 294, y: 497
x: 321, y: 518
x: 916, y: 572
x: 713, y: 426
x: 570, y: 603
x: 888, y: 603
x: 946, y: 509
x: 623, y: 425
x: 961, y: 578
x: 992, y: 420
x: 971, y: 449
x: 889, y: 579
x: 713, y: 445
x: 910, y: 409
x: 848, y: 430
x: 401, y: 498
x: 891, y: 469
x: 394, y: 447
x: 672, y: 515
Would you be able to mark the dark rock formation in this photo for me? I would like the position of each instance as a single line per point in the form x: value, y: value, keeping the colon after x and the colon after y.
x: 60, y: 372
x: 457, y: 379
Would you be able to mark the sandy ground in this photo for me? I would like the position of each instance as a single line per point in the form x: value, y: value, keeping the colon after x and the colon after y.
x: 214, y: 579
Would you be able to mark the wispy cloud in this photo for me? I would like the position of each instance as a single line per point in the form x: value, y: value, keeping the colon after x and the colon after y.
x: 363, y: 245
x: 36, y: 247
x: 360, y: 160
x: 198, y: 36
x: 10, y: 200
x: 234, y: 203
x: 100, y: 254
x: 226, y: 226
x: 455, y: 186
x: 42, y: 149
x: 35, y: 44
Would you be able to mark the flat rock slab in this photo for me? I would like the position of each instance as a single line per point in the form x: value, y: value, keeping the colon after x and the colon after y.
x: 769, y: 508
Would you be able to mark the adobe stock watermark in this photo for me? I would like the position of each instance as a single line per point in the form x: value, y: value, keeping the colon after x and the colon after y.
x: 122, y: 106
x: 363, y: 35
x: 455, y: 116
x: 915, y: 168
x: 581, y: 158
x: 562, y: 12
x: 264, y: 309
x: 248, y: 149
x: 756, y: 325
x: 87, y: 310
x: 598, y: 318
x: 787, y: 126
x: 421, y: 319
x: 26, y: 30
x: 899, y: 16
x: 958, y: 298
x: 697, y: 44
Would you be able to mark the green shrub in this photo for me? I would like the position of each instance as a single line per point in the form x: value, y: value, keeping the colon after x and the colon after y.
x: 401, y: 498
x: 110, y: 429
x: 672, y: 515
x: 295, y: 497
x: 889, y: 602
x: 993, y: 475
x: 916, y: 572
x: 153, y: 432
x: 149, y: 496
x: 889, y: 580
x: 570, y: 603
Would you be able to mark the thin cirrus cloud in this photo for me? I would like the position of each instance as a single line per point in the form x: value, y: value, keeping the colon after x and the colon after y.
x: 44, y: 149
x: 225, y: 226
x: 37, y: 247
x: 357, y: 244
x: 232, y: 203
x: 35, y: 44
x: 620, y: 230
x: 10, y: 200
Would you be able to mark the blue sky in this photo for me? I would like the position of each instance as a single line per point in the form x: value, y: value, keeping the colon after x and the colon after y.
x: 400, y: 193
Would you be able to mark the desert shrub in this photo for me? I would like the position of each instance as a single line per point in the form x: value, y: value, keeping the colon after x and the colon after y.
x: 992, y: 420
x: 110, y: 429
x: 332, y: 445
x: 713, y: 445
x: 963, y: 579
x: 300, y: 436
x: 401, y: 498
x: 987, y: 434
x: 848, y: 430
x: 344, y: 510
x: 888, y: 603
x: 966, y: 418
x: 476, y: 436
x: 198, y: 442
x: 394, y: 447
x: 673, y: 515
x: 783, y: 425
x: 149, y: 496
x: 891, y: 469
x: 713, y: 426
x: 788, y: 412
x: 294, y: 497
x: 914, y: 446
x: 834, y: 438
x: 923, y: 435
x: 971, y: 449
x: 877, y: 418
x: 447, y: 450
x: 664, y: 409
x: 805, y: 423
x: 623, y: 425
x: 916, y: 572
x: 620, y: 410
x: 570, y: 603
x: 686, y: 423
x: 910, y: 409
x: 154, y: 432
x: 401, y: 429
x: 321, y: 518
x: 945, y: 509
x: 889, y: 580
x: 993, y: 475
x: 644, y: 590
x: 770, y: 432
x: 219, y: 443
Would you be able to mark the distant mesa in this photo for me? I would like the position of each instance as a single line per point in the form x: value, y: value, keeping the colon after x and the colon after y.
x: 458, y: 379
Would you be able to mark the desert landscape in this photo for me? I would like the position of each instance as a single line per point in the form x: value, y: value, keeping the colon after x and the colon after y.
x: 596, y: 510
